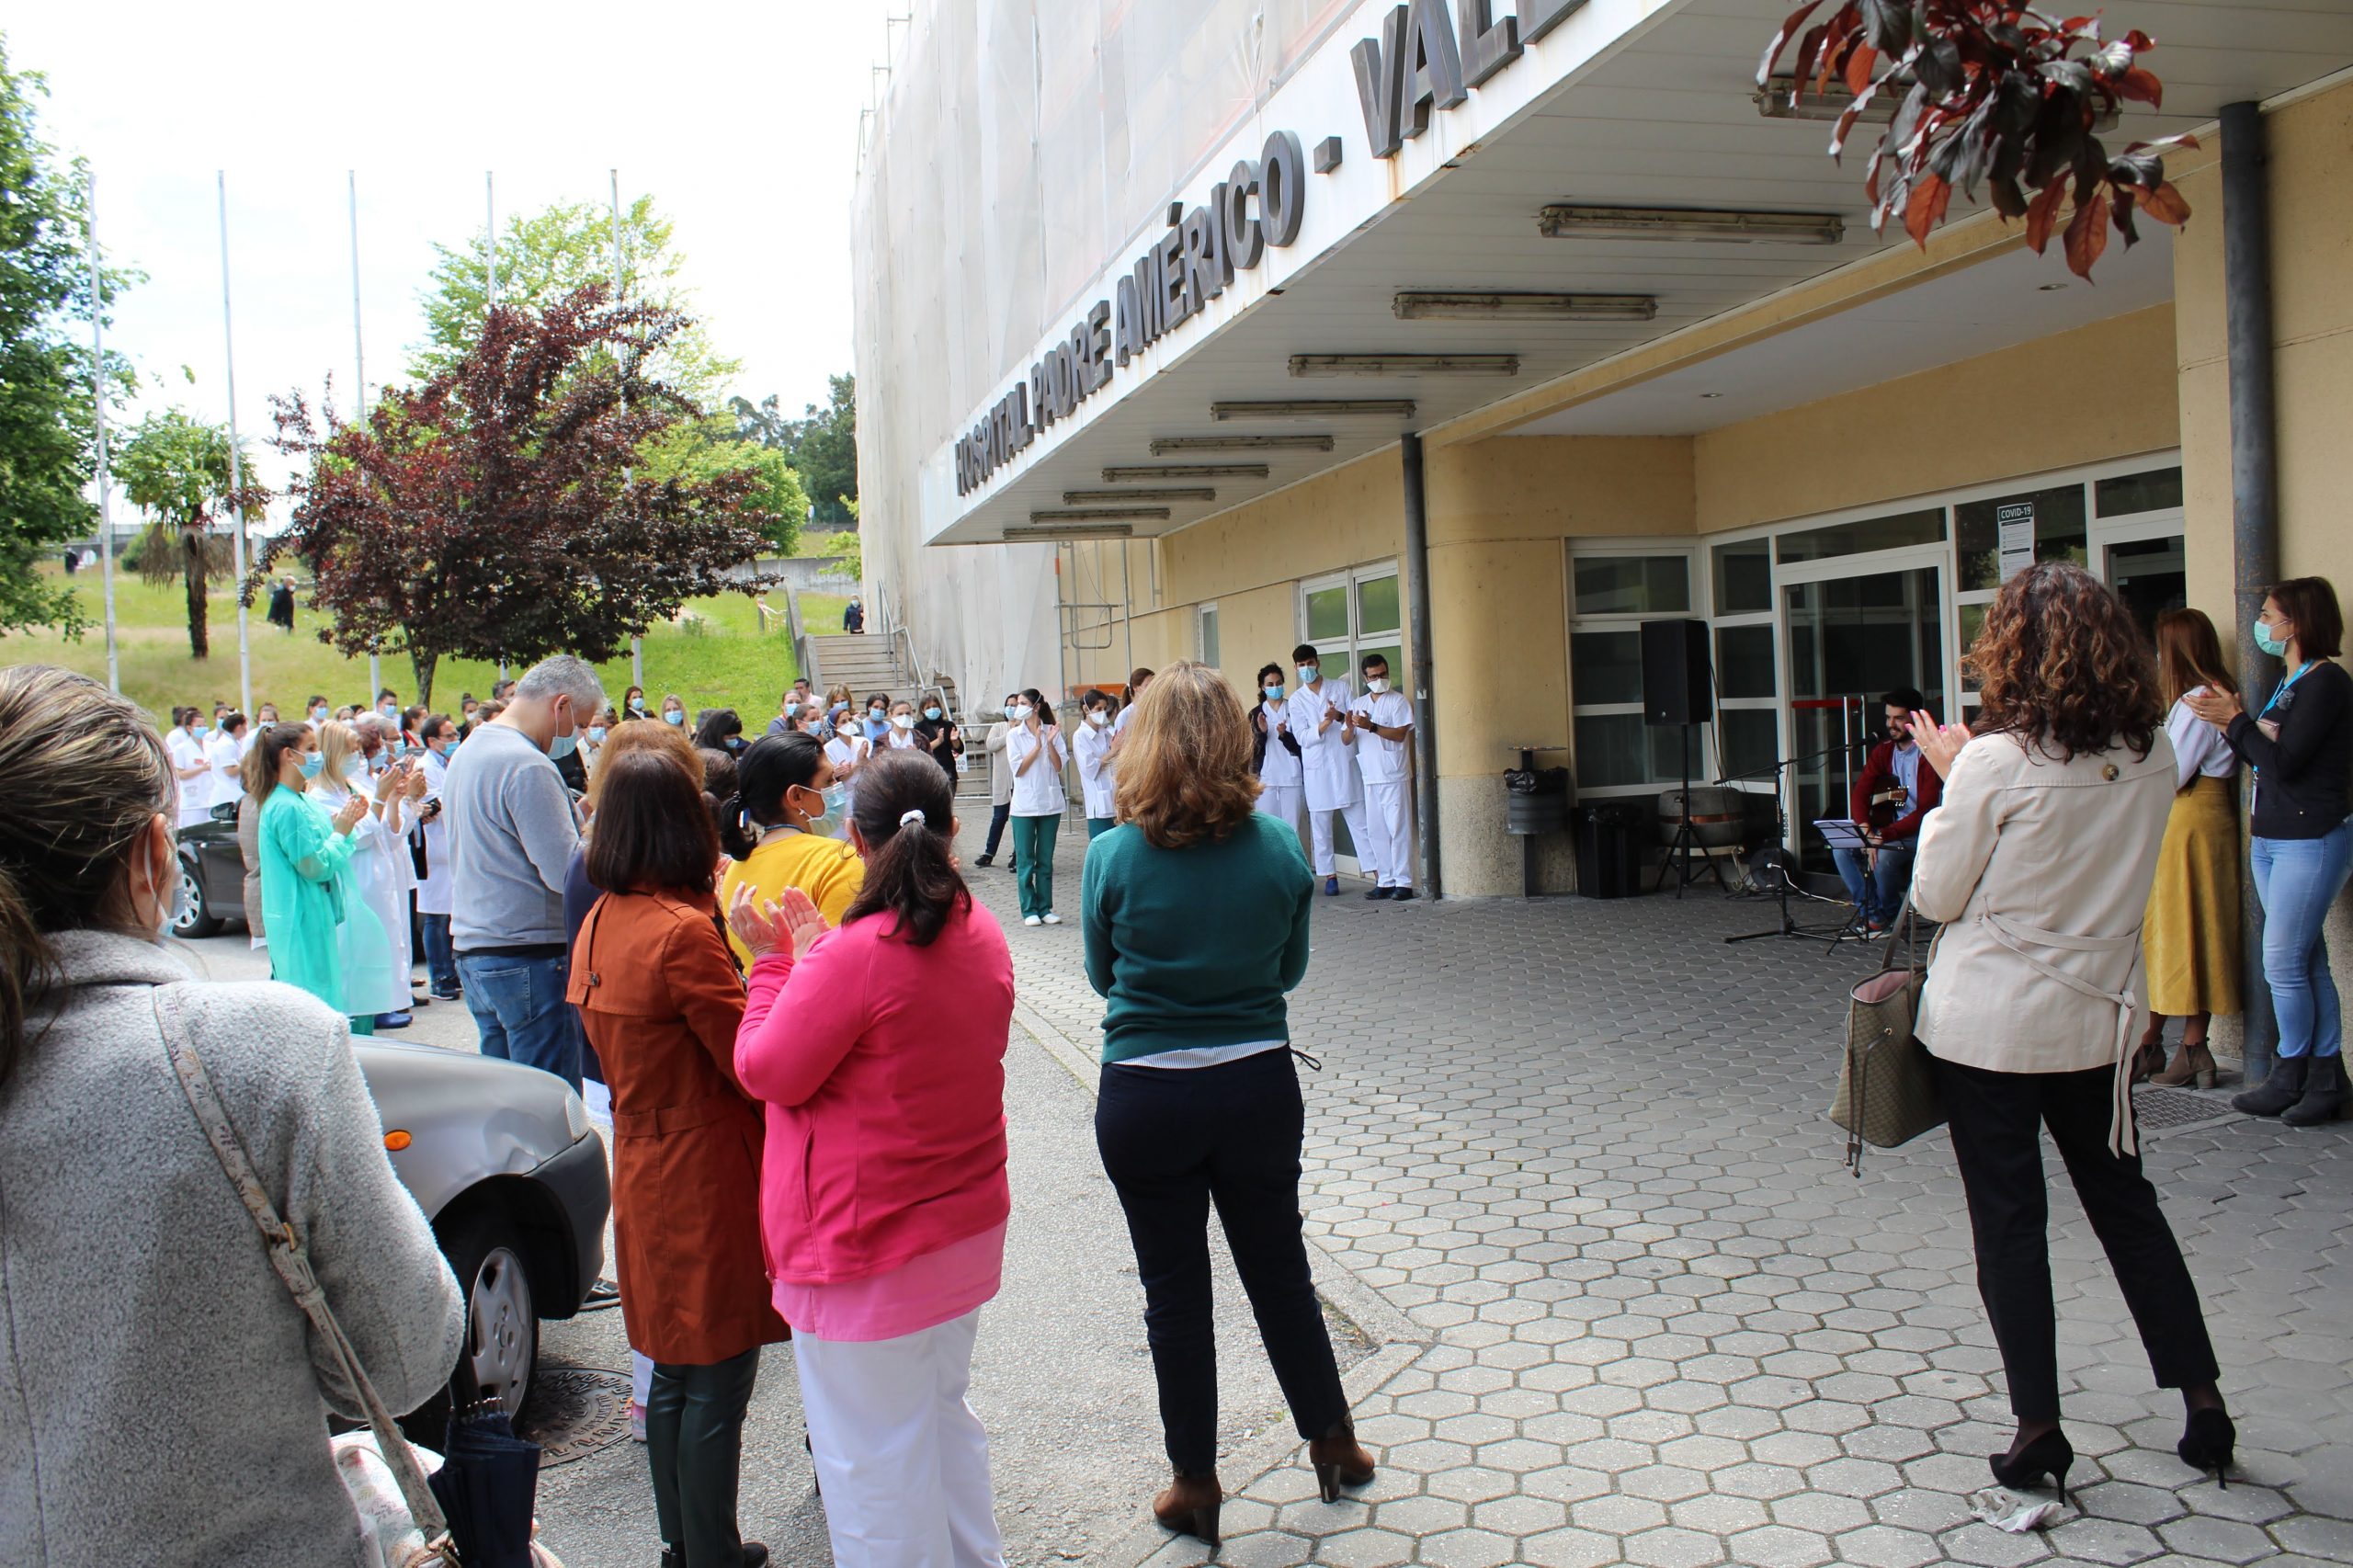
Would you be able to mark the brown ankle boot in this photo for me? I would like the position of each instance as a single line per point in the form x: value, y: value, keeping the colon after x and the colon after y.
x: 1190, y: 1505
x: 2192, y: 1060
x: 1339, y: 1459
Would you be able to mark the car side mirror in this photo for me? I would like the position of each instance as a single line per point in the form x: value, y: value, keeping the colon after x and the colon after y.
x: 226, y: 813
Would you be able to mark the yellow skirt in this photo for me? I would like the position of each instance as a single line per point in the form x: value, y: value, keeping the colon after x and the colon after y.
x: 2191, y: 939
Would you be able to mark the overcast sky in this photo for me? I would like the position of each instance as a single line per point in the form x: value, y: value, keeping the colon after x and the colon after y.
x: 741, y: 119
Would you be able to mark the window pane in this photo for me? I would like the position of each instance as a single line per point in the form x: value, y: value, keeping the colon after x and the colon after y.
x: 1209, y: 638
x: 1745, y: 660
x: 1633, y: 584
x: 1327, y: 614
x: 1743, y: 577
x: 1605, y: 666
x: 1973, y: 621
x: 1853, y: 539
x: 1619, y: 748
x: 2058, y: 532
x: 1750, y: 738
x: 2151, y: 576
x: 1377, y: 606
x: 2156, y: 491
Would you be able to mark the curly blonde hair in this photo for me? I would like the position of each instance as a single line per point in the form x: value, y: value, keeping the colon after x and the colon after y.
x: 1185, y: 766
x: 2061, y: 664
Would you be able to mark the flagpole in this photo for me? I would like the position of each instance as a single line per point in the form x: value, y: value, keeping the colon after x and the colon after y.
x: 359, y: 393
x: 490, y: 296
x: 236, y: 457
x: 98, y: 400
x: 636, y: 644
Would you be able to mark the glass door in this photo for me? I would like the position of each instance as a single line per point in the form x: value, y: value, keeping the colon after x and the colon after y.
x: 1851, y: 639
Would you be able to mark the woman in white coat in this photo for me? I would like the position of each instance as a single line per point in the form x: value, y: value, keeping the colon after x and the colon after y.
x: 376, y: 956
x: 2038, y: 862
x: 438, y: 734
x: 1280, y: 772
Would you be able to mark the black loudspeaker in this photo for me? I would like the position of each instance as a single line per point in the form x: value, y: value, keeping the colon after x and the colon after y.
x: 1676, y: 685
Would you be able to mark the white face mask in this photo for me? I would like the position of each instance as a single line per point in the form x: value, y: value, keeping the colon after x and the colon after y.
x: 1098, y: 718
x: 1377, y: 685
x: 904, y: 720
x: 1021, y: 714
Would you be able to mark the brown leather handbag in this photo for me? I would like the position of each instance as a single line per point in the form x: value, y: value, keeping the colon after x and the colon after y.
x: 1887, y: 1084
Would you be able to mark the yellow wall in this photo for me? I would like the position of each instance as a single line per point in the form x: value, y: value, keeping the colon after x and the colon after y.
x: 2310, y: 146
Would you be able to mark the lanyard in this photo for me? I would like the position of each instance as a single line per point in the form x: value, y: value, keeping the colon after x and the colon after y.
x: 2284, y: 685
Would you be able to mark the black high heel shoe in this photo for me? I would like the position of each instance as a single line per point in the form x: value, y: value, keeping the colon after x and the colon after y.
x: 2208, y: 1442
x: 2049, y: 1455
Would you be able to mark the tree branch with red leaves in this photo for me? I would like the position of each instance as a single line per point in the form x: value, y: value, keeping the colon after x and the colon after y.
x: 488, y: 514
x: 1997, y: 95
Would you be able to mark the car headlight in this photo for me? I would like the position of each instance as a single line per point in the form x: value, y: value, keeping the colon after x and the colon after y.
x: 575, y: 1116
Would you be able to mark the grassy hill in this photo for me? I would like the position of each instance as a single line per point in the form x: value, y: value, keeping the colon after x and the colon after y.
x: 716, y: 658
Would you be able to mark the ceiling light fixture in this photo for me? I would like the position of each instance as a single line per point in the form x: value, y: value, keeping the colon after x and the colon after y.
x: 1080, y: 497
x: 1154, y: 473
x: 1072, y: 531
x: 1567, y: 222
x: 1449, y: 305
x: 1097, y: 514
x: 1164, y: 445
x: 1404, y: 365
x: 1311, y: 408
x: 1780, y: 99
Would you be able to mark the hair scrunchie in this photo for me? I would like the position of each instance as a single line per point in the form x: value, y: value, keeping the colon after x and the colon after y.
x: 913, y: 816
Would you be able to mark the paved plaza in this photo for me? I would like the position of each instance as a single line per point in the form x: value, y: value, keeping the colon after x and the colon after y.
x: 1634, y: 1309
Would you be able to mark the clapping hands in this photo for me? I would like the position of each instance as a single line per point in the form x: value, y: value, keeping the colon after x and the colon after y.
x: 765, y: 925
x: 1941, y: 744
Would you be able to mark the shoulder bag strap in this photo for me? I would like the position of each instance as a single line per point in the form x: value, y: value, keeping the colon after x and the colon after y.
x: 292, y: 1262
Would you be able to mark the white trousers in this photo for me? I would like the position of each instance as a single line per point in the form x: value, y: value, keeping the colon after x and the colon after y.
x: 1360, y: 833
x: 902, y: 1462
x: 1389, y: 808
x: 1283, y: 802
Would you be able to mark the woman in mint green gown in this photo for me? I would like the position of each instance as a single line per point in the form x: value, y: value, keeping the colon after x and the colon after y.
x: 306, y: 892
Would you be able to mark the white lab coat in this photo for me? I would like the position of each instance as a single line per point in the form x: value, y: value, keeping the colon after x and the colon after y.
x: 196, y: 794
x: 1329, y: 761
x: 1388, y: 769
x: 1097, y: 771
x: 224, y: 752
x: 846, y: 753
x: 433, y: 892
x: 381, y: 871
x: 1280, y: 770
x: 1039, y: 792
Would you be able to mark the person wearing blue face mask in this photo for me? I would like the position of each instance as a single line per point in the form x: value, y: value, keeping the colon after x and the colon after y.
x: 781, y: 831
x: 306, y: 889
x: 674, y: 711
x: 1281, y: 771
x: 512, y: 831
x: 184, y: 743
x: 940, y: 736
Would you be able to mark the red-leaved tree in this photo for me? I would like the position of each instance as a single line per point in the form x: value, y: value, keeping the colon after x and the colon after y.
x: 487, y: 514
x: 1997, y: 94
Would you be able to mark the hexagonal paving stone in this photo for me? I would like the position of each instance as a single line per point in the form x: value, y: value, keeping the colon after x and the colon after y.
x: 1779, y: 1546
x: 1570, y: 1549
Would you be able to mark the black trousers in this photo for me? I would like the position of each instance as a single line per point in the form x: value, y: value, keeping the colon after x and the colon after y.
x: 1174, y: 1141
x: 997, y: 816
x: 1997, y: 1119
x: 694, y: 1442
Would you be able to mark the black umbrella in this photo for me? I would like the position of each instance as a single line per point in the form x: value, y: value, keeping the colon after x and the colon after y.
x: 488, y: 1484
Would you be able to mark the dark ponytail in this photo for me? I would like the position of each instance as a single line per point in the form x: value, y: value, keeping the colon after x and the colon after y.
x: 910, y: 866
x: 773, y: 764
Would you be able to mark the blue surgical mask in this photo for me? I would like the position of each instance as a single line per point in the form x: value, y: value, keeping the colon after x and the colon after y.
x: 929, y: 713
x: 353, y: 766
x: 1307, y: 674
x: 595, y: 734
x: 563, y: 746
x: 445, y: 749
x: 1274, y: 691
x: 2269, y: 642
x: 837, y: 708
x: 637, y: 705
x: 313, y: 762
x: 673, y: 715
x: 199, y: 731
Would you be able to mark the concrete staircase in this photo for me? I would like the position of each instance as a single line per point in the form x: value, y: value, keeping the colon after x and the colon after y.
x: 871, y: 663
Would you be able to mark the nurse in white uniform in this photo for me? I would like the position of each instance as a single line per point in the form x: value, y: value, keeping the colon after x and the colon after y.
x: 434, y: 903
x: 1318, y: 714
x: 1384, y: 724
x: 1280, y: 770
x: 190, y: 765
x: 223, y: 752
x: 1091, y: 748
x: 847, y: 751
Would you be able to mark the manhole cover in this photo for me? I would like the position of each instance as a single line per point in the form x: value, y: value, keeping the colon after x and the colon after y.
x: 574, y: 1411
x: 2172, y: 1111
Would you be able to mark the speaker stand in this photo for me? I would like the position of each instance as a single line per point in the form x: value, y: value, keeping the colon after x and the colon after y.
x: 1684, y: 845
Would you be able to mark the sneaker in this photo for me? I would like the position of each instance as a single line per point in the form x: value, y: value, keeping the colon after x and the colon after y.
x: 1030, y: 920
x: 1401, y: 894
x: 448, y: 996
x: 1378, y: 893
x: 1052, y: 919
x: 1331, y: 887
x: 393, y: 1020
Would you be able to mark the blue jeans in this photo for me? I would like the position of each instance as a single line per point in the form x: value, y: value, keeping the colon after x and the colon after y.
x: 2298, y: 878
x: 1884, y: 895
x: 441, y: 958
x: 519, y: 1004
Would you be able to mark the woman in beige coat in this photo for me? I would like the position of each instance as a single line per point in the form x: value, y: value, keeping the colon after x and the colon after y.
x: 2039, y: 863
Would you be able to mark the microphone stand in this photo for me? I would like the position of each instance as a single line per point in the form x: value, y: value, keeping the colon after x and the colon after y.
x: 1788, y: 926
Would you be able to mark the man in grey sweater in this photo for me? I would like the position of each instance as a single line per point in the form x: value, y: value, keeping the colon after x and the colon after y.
x: 512, y: 830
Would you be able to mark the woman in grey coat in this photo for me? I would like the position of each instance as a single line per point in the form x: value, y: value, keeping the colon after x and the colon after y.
x: 161, y: 1399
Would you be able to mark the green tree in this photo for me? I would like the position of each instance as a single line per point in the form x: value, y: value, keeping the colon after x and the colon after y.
x: 823, y: 445
x: 47, y: 426
x: 695, y: 451
x: 180, y: 472
x: 544, y: 259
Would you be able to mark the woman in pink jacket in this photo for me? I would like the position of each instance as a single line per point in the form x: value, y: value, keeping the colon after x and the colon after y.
x: 882, y: 1193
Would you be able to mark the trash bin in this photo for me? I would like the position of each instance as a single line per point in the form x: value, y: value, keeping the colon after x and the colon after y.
x: 1608, y: 861
x: 1536, y: 800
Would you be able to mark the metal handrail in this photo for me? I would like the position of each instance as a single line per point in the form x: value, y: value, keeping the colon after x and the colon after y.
x: 804, y: 649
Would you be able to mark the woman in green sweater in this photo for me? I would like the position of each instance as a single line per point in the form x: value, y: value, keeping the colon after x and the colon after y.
x: 1195, y: 910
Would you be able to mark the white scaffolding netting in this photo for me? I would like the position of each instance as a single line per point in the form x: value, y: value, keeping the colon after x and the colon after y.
x: 1021, y: 146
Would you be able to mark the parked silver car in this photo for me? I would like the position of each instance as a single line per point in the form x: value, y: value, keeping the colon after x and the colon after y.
x: 502, y: 1160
